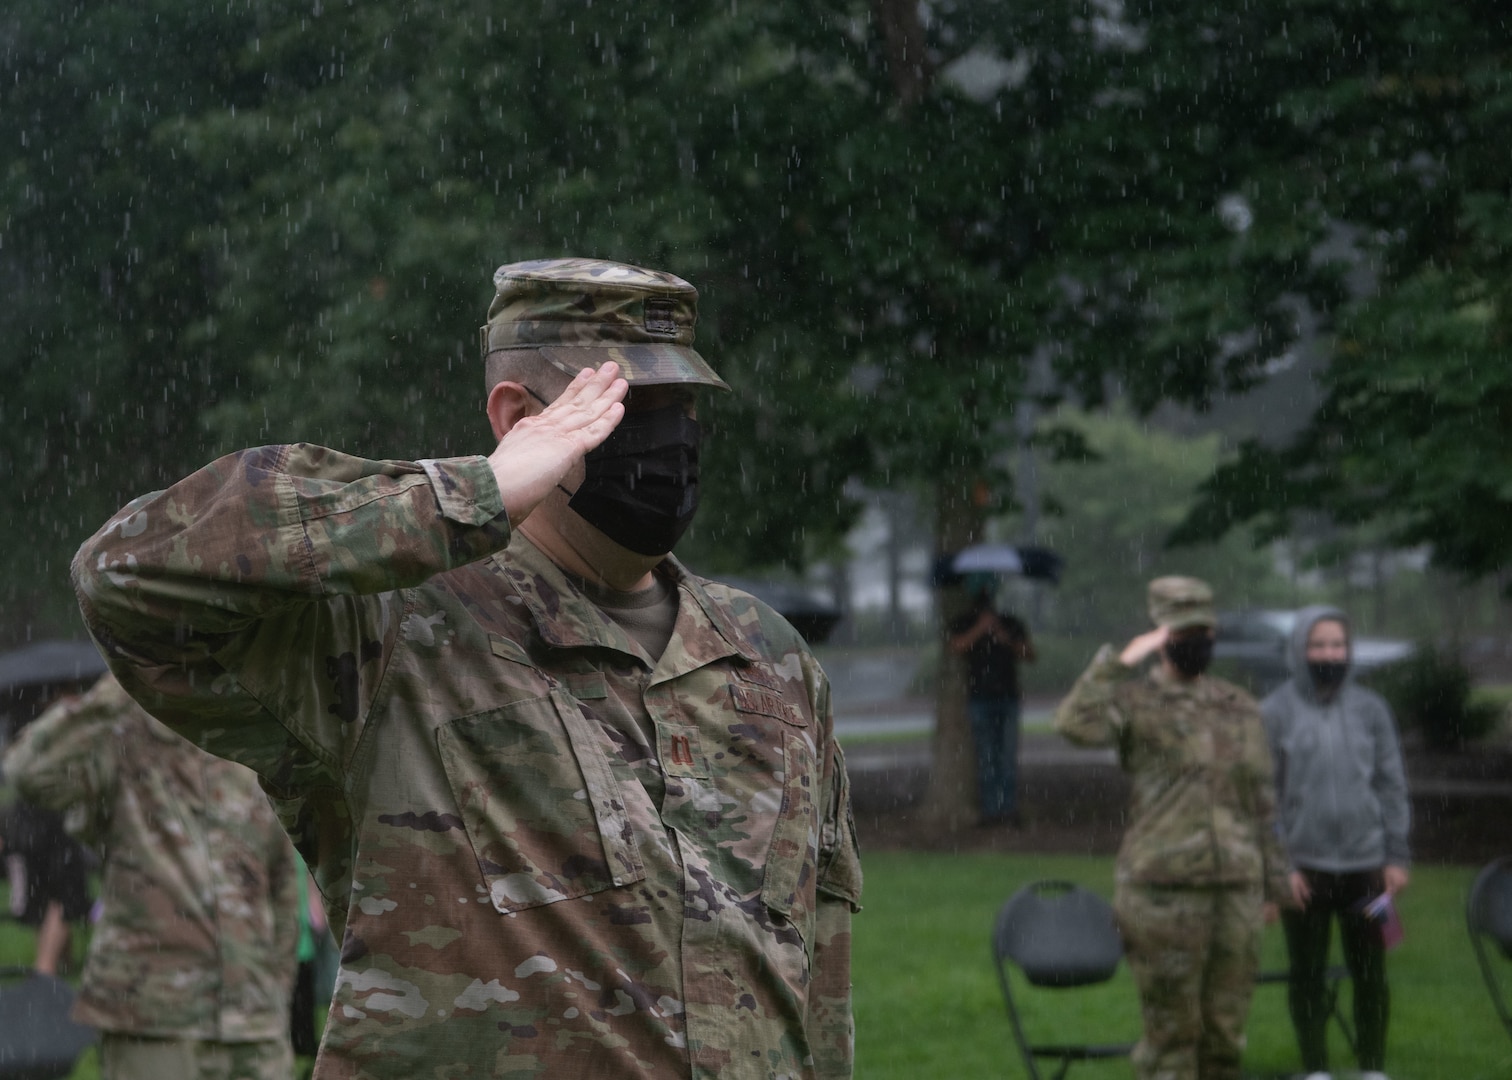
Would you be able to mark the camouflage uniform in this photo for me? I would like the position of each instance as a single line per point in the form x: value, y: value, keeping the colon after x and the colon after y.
x: 130, y: 1057
x: 551, y: 853
x: 641, y: 319
x: 196, y: 940
x: 1199, y: 854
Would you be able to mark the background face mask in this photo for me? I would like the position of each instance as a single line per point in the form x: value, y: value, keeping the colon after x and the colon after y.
x: 1327, y: 674
x: 640, y: 485
x: 1190, y: 656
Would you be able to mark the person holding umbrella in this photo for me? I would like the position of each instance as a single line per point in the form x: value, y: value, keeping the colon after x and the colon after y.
x: 993, y: 643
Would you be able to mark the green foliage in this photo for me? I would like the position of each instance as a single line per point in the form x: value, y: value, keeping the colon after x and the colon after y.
x: 102, y: 266
x: 1418, y: 392
x: 1432, y: 692
x: 252, y: 223
x: 1497, y: 697
x: 1059, y: 659
x: 1113, y: 517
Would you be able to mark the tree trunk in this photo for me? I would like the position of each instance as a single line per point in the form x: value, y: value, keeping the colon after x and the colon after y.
x: 950, y: 800
x: 840, y: 589
x: 903, y: 37
x: 893, y: 508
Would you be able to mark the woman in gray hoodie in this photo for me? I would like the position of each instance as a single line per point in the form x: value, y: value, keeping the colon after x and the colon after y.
x: 1343, y: 815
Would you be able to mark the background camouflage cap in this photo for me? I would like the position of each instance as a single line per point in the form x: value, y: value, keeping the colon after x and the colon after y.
x: 1179, y: 602
x: 581, y: 312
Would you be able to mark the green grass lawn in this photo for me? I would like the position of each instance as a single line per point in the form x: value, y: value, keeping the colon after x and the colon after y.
x: 17, y: 947
x: 928, y: 1004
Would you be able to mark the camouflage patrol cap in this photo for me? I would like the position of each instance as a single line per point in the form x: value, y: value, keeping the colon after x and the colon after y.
x: 579, y: 313
x: 1180, y: 602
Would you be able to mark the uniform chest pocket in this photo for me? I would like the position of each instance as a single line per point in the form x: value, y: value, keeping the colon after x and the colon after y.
x: 790, y: 878
x: 789, y: 875
x: 540, y: 802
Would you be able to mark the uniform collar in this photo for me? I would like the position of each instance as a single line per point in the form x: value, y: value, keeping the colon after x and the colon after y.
x: 566, y: 619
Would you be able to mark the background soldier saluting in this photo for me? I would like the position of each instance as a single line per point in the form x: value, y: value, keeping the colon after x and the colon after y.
x: 1200, y: 855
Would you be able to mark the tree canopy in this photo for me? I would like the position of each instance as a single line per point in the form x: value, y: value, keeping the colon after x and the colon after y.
x: 264, y: 221
x: 1403, y: 164
x: 1115, y: 514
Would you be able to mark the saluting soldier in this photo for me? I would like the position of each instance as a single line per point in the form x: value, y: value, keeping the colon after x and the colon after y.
x: 1199, y: 869
x: 578, y: 811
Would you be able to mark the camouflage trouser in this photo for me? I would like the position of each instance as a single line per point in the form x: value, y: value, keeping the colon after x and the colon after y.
x: 130, y: 1057
x: 1194, y: 954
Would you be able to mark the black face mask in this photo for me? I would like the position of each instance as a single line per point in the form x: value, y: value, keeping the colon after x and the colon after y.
x: 640, y: 485
x: 1327, y: 675
x: 1190, y: 655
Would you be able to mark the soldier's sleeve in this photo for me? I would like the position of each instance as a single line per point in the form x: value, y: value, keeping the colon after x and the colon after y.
x: 1389, y: 781
x: 65, y: 761
x: 248, y: 606
x: 830, y: 1023
x: 1090, y: 715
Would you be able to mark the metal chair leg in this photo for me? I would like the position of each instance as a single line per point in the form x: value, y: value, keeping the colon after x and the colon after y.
x: 1335, y: 977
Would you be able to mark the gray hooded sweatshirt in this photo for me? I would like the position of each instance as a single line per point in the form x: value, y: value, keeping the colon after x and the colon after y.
x: 1340, y: 790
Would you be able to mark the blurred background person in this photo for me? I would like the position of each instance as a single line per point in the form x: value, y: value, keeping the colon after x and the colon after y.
x: 191, y: 966
x: 1344, y: 821
x: 315, y: 976
x: 1199, y: 866
x: 48, y: 871
x: 993, y: 643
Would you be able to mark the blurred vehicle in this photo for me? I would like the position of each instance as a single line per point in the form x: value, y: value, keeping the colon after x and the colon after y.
x: 811, y: 615
x: 1252, y: 649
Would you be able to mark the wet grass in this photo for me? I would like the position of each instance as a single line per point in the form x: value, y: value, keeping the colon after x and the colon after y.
x: 928, y: 1003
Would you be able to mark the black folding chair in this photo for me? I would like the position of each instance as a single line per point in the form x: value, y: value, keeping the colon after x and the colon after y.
x: 1059, y: 935
x: 38, y: 1040
x: 1488, y: 915
x: 1333, y: 978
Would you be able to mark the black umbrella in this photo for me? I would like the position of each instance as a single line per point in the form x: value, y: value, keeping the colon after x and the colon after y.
x: 1023, y: 560
x: 50, y: 662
